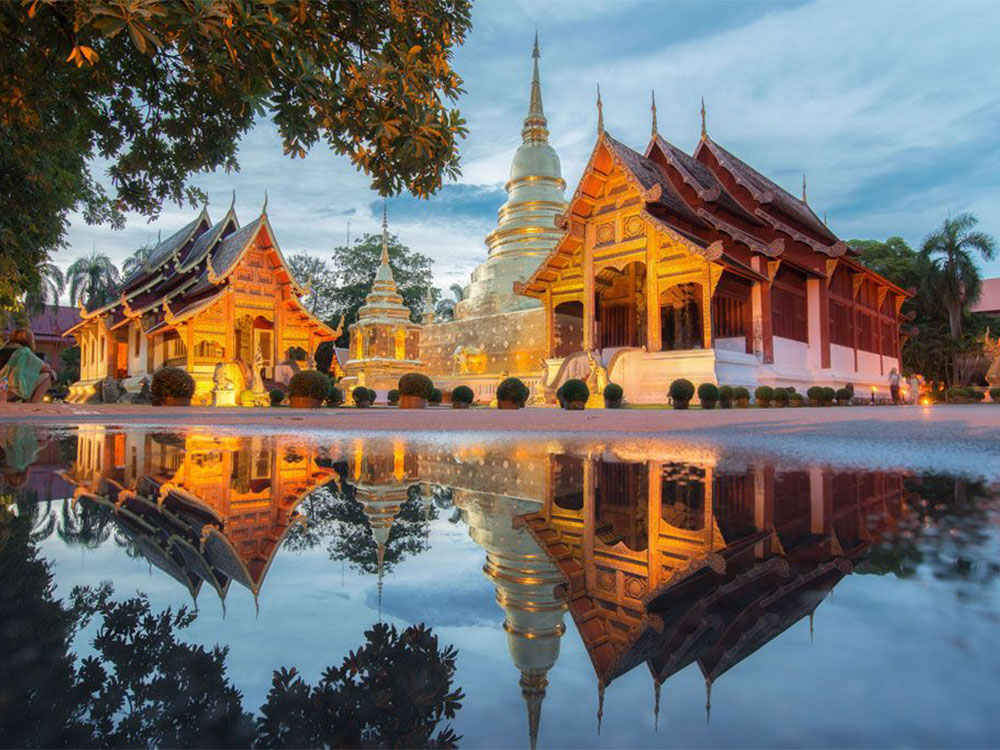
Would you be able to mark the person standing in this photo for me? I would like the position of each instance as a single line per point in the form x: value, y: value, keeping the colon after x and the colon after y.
x: 894, y: 385
x: 914, y: 388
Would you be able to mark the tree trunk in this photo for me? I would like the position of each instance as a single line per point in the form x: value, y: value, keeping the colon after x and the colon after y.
x: 955, y: 317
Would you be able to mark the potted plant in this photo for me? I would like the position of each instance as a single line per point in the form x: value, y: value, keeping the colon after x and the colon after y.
x: 393, y: 397
x: 334, y: 396
x: 681, y: 393
x: 843, y: 397
x: 277, y: 396
x: 436, y: 396
x: 763, y: 395
x: 363, y: 397
x: 613, y: 394
x: 815, y: 395
x: 308, y: 389
x: 415, y: 389
x: 512, y: 394
x: 829, y: 395
x: 172, y: 386
x: 462, y: 397
x: 726, y: 396
x: 741, y: 396
x: 780, y: 399
x: 573, y: 394
x: 795, y: 399
x: 708, y: 395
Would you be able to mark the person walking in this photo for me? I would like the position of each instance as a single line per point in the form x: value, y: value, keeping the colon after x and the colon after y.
x: 894, y: 385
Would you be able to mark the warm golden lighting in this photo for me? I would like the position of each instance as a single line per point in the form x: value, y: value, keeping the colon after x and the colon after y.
x: 925, y: 401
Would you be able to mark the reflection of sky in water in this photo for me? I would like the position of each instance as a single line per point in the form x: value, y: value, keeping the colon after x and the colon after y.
x: 893, y: 662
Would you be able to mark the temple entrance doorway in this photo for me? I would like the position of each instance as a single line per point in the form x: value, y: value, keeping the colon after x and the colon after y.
x: 255, y: 334
x: 681, y: 317
x: 620, y: 306
x: 621, y: 499
x: 568, y: 328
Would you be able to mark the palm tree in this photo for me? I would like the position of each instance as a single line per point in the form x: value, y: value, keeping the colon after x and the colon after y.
x: 92, y: 280
x: 956, y: 280
x: 51, y: 284
x: 136, y: 260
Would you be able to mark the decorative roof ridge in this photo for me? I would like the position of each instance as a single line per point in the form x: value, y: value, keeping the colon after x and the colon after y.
x: 193, y: 259
x: 217, y: 276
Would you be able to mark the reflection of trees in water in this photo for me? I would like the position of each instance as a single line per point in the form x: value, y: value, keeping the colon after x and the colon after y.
x: 947, y: 528
x: 85, y: 525
x: 143, y: 686
x: 336, y: 518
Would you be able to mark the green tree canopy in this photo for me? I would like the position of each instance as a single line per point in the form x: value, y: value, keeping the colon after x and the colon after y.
x: 315, y: 273
x: 354, y: 270
x: 161, y: 90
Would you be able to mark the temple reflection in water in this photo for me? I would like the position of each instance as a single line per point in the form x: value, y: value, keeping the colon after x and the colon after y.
x: 662, y: 557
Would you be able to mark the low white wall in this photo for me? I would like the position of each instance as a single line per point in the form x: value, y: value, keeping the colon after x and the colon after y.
x: 791, y: 355
x: 841, y: 358
x: 732, y: 344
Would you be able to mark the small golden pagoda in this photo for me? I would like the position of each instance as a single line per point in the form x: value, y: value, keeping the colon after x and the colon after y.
x: 385, y: 343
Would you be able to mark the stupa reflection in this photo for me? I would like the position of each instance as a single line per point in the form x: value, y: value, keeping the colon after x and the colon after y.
x: 663, y: 557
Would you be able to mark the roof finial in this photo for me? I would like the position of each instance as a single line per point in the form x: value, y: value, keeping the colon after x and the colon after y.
x: 811, y: 625
x: 704, y: 128
x: 600, y: 704
x: 263, y: 210
x: 534, y: 52
x: 824, y: 218
x: 656, y: 706
x: 232, y: 205
x: 534, y: 129
x: 600, y: 112
x: 804, y: 199
x: 385, y: 233
x: 708, y: 700
x: 653, y: 106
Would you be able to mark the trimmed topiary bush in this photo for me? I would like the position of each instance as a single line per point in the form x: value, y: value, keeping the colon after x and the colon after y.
x: 763, y: 395
x: 815, y: 395
x: 613, y: 394
x: 681, y: 392
x: 436, y: 396
x: 708, y: 395
x: 829, y: 395
x: 741, y: 396
x: 276, y: 395
x: 363, y: 397
x: 780, y: 397
x: 995, y: 395
x: 171, y: 385
x: 795, y: 399
x: 416, y: 384
x: 393, y: 397
x: 843, y: 396
x: 334, y: 396
x: 309, y: 384
x: 726, y: 396
x: 512, y: 393
x: 574, y: 394
x: 462, y: 397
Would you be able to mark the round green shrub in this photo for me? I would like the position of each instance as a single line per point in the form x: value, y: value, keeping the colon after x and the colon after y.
x: 976, y: 395
x: 995, y: 395
x: 781, y: 396
x: 463, y: 395
x: 708, y: 392
x: 416, y: 384
x: 171, y: 382
x: 829, y: 395
x: 796, y: 398
x: 393, y: 396
x: 815, y: 393
x: 681, y: 390
x: 727, y: 393
x: 613, y: 392
x: 512, y: 389
x: 574, y: 390
x: 436, y: 396
x: 740, y: 393
x: 362, y: 394
x: 763, y: 394
x: 276, y: 395
x: 843, y: 395
x: 309, y: 383
x: 334, y: 396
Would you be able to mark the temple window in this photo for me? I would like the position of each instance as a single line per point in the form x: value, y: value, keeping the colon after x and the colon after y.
x: 620, y: 306
x: 841, y: 304
x: 208, y: 349
x: 731, y: 308
x: 681, y: 321
x: 788, y: 305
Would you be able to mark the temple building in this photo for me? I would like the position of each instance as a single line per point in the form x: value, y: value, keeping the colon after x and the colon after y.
x: 496, y: 331
x: 384, y: 342
x: 673, y: 265
x: 217, y: 300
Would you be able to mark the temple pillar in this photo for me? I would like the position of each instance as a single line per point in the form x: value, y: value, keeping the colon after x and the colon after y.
x: 588, y: 288
x: 279, y: 327
x: 230, y: 352
x: 550, y: 323
x: 760, y: 299
x: 654, y: 339
x: 189, y: 338
x: 589, y: 523
x: 818, y: 515
x: 706, y: 308
x: 654, y: 491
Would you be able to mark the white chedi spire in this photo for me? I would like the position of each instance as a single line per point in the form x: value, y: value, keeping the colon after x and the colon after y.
x: 526, y: 231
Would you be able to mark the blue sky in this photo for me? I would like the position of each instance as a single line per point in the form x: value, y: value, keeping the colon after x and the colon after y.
x: 889, y: 108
